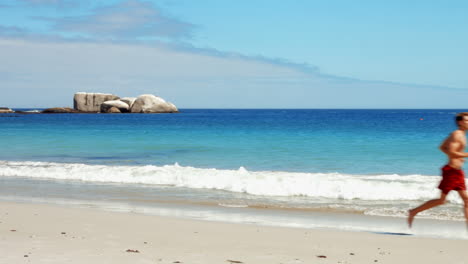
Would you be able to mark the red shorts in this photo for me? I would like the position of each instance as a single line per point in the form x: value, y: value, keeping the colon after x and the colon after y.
x: 452, y: 179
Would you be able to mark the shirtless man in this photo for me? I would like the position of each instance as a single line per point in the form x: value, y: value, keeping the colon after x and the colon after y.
x: 453, y: 177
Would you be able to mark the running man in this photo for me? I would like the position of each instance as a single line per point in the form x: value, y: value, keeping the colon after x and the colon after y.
x: 453, y: 177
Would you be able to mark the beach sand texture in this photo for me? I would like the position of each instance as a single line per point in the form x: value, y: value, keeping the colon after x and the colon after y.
x: 36, y: 233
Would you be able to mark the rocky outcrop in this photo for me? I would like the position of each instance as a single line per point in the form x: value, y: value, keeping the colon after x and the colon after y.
x: 59, y: 110
x: 6, y: 110
x: 91, y: 102
x: 113, y: 110
x: 118, y: 104
x: 98, y: 102
x: 148, y: 103
x: 128, y: 100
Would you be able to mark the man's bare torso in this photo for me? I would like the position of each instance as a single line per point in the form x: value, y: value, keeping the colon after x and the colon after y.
x: 456, y: 140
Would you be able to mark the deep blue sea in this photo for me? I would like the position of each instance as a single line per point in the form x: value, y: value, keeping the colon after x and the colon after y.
x: 343, y: 141
x: 377, y: 162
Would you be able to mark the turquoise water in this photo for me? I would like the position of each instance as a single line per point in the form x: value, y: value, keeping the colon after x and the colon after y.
x: 343, y: 141
x: 372, y: 162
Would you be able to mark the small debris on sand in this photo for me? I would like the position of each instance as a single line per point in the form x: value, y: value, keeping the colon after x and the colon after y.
x: 321, y: 256
x: 13, y: 230
x: 234, y: 261
x: 133, y: 251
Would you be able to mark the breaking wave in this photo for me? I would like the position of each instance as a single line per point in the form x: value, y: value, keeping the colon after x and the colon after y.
x: 266, y: 183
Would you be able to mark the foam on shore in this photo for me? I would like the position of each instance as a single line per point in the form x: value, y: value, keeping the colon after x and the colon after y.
x: 265, y: 183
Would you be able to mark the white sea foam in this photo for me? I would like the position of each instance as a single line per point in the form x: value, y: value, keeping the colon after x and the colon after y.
x: 268, y: 183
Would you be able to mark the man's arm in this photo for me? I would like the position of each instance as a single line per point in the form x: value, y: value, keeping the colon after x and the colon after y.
x: 452, y: 145
x: 444, y: 146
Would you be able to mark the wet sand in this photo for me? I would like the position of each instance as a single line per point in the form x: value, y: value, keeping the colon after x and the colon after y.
x: 36, y: 233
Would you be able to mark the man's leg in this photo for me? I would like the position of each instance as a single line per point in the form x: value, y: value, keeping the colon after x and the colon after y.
x: 427, y: 205
x: 464, y: 197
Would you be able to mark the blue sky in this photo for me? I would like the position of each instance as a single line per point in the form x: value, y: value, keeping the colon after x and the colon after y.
x: 237, y: 54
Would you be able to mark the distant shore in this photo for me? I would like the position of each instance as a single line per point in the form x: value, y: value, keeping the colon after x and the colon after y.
x: 56, y: 110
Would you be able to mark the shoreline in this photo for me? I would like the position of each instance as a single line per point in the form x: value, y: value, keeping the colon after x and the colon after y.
x: 170, y: 202
x: 153, y: 196
x: 303, y: 219
x: 41, y: 233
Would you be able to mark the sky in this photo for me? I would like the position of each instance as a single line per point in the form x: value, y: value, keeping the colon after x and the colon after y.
x: 237, y: 54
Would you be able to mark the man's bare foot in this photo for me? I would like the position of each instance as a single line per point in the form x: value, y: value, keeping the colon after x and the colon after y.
x: 411, y: 216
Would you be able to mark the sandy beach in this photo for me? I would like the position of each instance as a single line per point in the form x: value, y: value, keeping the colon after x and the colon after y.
x: 37, y: 233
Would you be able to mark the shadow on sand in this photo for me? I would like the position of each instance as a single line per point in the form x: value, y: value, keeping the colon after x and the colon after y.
x: 392, y: 234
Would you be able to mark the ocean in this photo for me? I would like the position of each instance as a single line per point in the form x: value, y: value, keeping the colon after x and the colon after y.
x: 215, y: 161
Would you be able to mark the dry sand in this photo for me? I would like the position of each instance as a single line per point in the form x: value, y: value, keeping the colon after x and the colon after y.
x: 32, y: 233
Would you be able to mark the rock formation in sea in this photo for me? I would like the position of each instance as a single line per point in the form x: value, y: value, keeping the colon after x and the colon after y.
x: 91, y: 102
x: 148, y: 103
x: 113, y: 110
x: 109, y: 103
x: 118, y: 104
x: 5, y: 110
x: 59, y: 110
x: 129, y: 101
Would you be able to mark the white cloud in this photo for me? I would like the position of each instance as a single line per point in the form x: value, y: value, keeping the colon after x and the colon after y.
x: 42, y: 1
x: 131, y: 19
x: 52, y: 3
x: 11, y: 31
x: 47, y: 73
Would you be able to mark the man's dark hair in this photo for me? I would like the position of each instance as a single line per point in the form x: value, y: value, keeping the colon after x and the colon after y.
x: 459, y: 116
